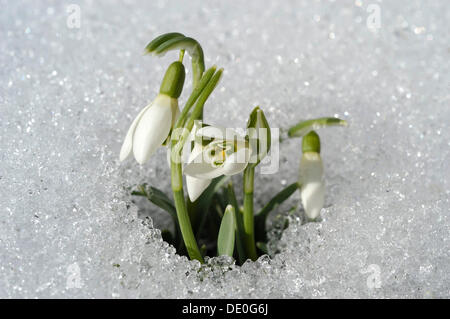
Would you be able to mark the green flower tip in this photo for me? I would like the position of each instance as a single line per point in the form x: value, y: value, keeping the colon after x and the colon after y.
x: 172, y: 84
x: 311, y: 143
x: 251, y: 122
x: 257, y: 119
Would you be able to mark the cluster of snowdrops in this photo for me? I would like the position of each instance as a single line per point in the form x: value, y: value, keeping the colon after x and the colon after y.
x: 211, y: 221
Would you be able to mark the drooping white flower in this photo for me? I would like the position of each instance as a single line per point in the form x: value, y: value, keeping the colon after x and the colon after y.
x: 225, y: 153
x: 152, y: 126
x: 196, y: 186
x: 312, y: 187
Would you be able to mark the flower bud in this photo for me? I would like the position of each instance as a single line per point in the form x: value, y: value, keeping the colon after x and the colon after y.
x: 258, y: 132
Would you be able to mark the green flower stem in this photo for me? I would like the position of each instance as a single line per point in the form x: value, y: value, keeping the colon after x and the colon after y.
x: 177, y: 41
x: 179, y: 141
x: 182, y: 214
x: 181, y: 56
x: 194, y: 96
x: 198, y: 68
x: 198, y: 109
x: 200, y: 94
x: 249, y: 228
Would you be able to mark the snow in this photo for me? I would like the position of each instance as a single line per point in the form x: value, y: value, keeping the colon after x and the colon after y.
x: 68, y: 227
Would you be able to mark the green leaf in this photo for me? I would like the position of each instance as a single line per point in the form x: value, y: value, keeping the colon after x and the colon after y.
x: 177, y: 41
x: 156, y: 42
x: 160, y: 199
x: 181, y: 43
x: 258, y: 132
x: 194, y: 96
x: 305, y: 127
x: 261, y: 217
x: 225, y: 240
x: 239, y: 224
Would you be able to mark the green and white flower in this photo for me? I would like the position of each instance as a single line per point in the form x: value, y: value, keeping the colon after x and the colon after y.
x: 220, y: 152
x: 196, y: 186
x: 153, y: 124
x: 312, y: 187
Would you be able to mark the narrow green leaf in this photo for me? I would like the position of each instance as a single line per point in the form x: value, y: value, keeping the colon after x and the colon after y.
x: 194, y: 95
x: 239, y: 224
x: 160, y: 199
x: 156, y: 42
x: 225, y: 240
x: 181, y: 43
x: 261, y: 217
x: 192, y: 47
x: 198, y: 108
x: 279, y: 198
x: 305, y: 127
x: 258, y: 133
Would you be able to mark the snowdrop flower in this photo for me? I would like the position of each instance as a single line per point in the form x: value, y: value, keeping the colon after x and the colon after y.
x: 312, y: 187
x: 196, y: 186
x: 153, y: 124
x: 225, y: 153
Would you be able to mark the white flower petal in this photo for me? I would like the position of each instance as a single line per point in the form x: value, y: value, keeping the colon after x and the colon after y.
x: 236, y: 162
x: 198, y: 168
x: 127, y: 145
x: 152, y: 129
x: 313, y: 198
x: 312, y: 186
x: 196, y: 186
x: 168, y: 153
x: 311, y: 168
x: 198, y: 148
